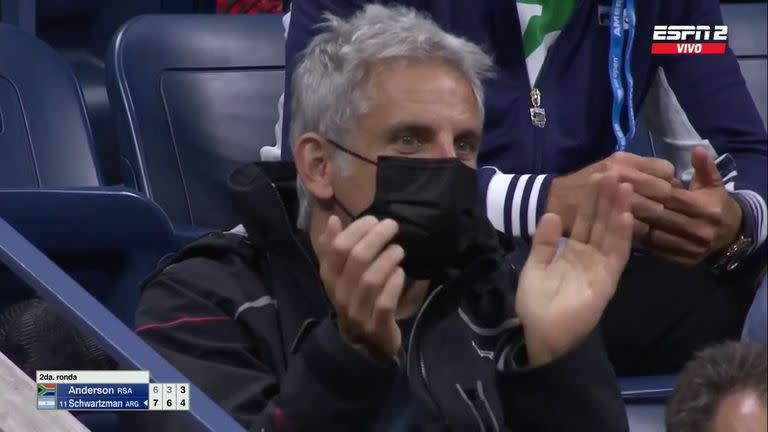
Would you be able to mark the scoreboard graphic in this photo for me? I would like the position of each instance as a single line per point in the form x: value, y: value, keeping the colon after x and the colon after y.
x: 108, y: 391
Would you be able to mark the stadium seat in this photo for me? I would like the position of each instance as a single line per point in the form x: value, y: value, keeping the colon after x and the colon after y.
x: 45, y: 137
x: 81, y: 31
x: 93, y: 319
x: 68, y: 27
x: 19, y: 13
x: 194, y: 97
x: 646, y: 417
x: 647, y: 389
x: 47, y: 159
x: 45, y: 142
x: 756, y: 326
x: 107, y: 240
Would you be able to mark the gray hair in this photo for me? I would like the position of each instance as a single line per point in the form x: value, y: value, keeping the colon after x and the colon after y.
x: 328, y: 80
x: 714, y: 374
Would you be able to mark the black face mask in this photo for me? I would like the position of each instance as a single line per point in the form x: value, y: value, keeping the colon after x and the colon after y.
x: 433, y: 201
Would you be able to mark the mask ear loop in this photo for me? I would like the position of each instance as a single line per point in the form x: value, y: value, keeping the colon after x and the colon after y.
x: 344, y: 208
x: 355, y: 155
x: 350, y: 152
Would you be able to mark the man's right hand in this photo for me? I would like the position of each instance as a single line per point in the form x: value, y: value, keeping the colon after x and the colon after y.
x: 361, y: 272
x: 652, y: 180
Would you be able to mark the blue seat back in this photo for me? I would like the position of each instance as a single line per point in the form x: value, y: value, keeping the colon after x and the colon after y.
x: 81, y: 31
x: 45, y: 139
x: 119, y: 341
x: 646, y: 417
x: 195, y: 96
x: 108, y: 240
x: 19, y: 13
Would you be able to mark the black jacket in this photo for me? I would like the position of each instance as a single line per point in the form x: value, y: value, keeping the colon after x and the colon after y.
x: 246, y: 319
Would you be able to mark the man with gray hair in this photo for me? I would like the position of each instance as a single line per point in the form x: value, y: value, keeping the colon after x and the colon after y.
x: 555, y: 114
x: 723, y: 389
x: 395, y: 307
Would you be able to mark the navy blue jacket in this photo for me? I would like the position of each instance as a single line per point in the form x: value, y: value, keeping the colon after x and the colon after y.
x: 714, y: 103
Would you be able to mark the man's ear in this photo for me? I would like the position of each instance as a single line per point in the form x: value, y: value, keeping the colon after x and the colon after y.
x: 312, y: 158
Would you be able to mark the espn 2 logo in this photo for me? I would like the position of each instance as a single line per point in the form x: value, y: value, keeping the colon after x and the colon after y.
x: 689, y: 39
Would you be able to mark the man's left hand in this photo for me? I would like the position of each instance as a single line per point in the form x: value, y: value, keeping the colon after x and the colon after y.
x: 560, y: 299
x: 698, y: 221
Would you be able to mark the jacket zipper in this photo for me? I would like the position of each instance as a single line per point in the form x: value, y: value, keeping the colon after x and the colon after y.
x: 537, y: 112
x: 422, y: 367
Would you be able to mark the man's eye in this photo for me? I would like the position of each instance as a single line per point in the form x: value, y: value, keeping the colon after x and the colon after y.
x: 465, y: 147
x: 408, y: 143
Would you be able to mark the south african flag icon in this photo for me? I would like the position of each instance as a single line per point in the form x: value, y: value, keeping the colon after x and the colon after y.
x: 46, y: 390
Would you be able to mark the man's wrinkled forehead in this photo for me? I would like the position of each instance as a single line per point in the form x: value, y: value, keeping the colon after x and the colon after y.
x: 421, y: 91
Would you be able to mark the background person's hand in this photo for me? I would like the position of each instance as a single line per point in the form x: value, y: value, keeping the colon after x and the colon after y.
x: 362, y: 276
x: 651, y: 178
x: 698, y: 221
x: 560, y: 300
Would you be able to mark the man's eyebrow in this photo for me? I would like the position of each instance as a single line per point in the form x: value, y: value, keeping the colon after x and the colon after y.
x: 471, y: 134
x: 411, y: 127
x: 424, y: 130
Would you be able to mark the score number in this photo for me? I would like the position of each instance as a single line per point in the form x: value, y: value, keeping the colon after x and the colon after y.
x: 169, y: 397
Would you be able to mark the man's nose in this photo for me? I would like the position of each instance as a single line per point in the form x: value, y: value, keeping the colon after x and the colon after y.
x: 445, y: 148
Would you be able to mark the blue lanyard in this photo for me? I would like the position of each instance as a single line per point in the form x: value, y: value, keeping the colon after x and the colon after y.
x: 615, y: 67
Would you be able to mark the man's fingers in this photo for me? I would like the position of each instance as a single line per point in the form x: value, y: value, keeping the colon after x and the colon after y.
x: 661, y: 241
x: 705, y: 173
x: 644, y: 208
x: 692, y: 229
x: 331, y: 263
x: 332, y: 229
x: 640, y: 229
x: 659, y: 168
x: 386, y: 303
x: 585, y: 215
x: 647, y: 185
x: 546, y: 239
x: 372, y: 281
x: 383, y: 325
x: 365, y: 251
x: 690, y: 203
x: 623, y: 200
x: 361, y: 288
x: 618, y: 239
x: 334, y: 257
x: 607, y: 189
x: 383, y: 266
x: 351, y: 235
x: 618, y: 244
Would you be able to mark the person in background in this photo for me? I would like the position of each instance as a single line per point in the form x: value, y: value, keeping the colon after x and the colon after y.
x: 723, y: 389
x: 395, y: 307
x: 251, y: 7
x: 555, y: 115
